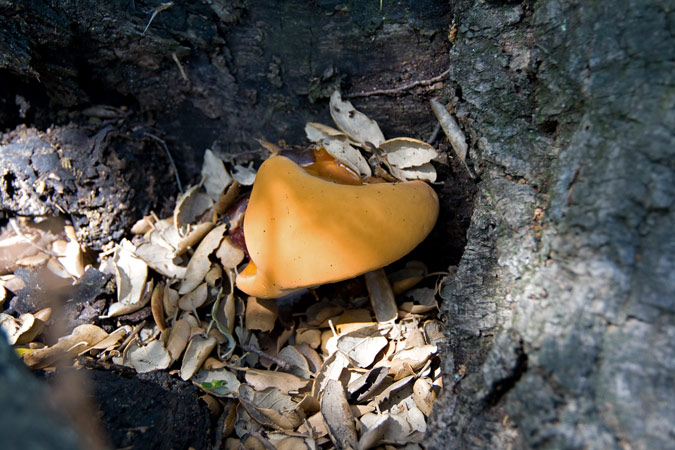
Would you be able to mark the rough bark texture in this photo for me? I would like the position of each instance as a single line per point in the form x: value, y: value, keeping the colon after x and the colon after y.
x: 560, y: 316
x: 562, y: 311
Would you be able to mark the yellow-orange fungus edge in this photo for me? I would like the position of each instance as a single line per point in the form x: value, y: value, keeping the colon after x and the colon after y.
x: 303, y: 231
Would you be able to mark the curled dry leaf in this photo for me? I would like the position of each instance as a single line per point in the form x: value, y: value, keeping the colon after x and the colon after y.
x: 332, y: 369
x: 196, y: 353
x: 130, y: 276
x: 245, y: 175
x: 362, y: 345
x: 348, y: 155
x: 81, y: 339
x: 17, y: 330
x: 193, y: 237
x: 189, y: 206
x: 285, y: 382
x: 363, y: 387
x: 146, y: 358
x: 178, y: 338
x: 216, y: 177
x: 338, y: 416
x: 160, y: 258
x: 354, y: 123
x: 424, y: 395
x: 261, y: 313
x: 157, y: 306
x: 72, y: 259
x: 271, y: 407
x: 405, y: 153
x: 309, y: 336
x: 170, y: 301
x: 413, y: 358
x: 200, y: 263
x: 425, y: 172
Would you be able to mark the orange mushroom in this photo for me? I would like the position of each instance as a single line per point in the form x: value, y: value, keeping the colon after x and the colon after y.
x: 302, y: 230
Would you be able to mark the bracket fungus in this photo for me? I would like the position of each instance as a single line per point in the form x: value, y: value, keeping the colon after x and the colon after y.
x: 302, y: 230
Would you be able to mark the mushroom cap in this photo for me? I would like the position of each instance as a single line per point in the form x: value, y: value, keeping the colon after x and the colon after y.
x: 302, y: 230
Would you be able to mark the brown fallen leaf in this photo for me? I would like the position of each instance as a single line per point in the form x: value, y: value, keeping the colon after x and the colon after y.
x: 338, y: 417
x: 261, y: 313
x: 197, y: 351
x: 271, y: 407
x: 353, y: 123
x: 285, y: 382
x: 200, y: 264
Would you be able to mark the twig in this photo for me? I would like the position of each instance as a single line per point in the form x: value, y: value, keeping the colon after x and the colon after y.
x: 279, y: 362
x: 168, y: 155
x: 399, y: 89
x: 180, y: 68
x: 156, y: 11
x: 434, y: 135
x: 453, y: 132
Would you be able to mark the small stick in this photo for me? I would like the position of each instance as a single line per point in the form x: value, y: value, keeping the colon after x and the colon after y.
x: 168, y: 155
x: 453, y: 132
x: 399, y: 89
x: 279, y: 362
x: 156, y: 11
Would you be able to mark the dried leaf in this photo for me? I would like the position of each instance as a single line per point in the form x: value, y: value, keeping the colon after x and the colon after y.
x: 348, y: 155
x: 298, y: 362
x: 130, y: 276
x: 311, y: 356
x: 170, y: 301
x: 362, y: 345
x: 423, y: 300
x: 338, y: 416
x: 219, y: 382
x: 424, y: 395
x: 261, y: 313
x: 146, y: 358
x: 216, y: 177
x: 73, y: 261
x: 354, y: 123
x: 157, y: 306
x: 271, y: 407
x: 229, y: 254
x: 362, y: 388
x: 194, y: 299
x: 285, y: 382
x: 17, y: 328
x: 317, y: 132
x: 413, y: 358
x: 353, y: 319
x: 309, y: 336
x: 200, y: 264
x: 196, y: 353
x: 189, y: 206
x: 193, y: 237
x: 178, y: 338
x: 161, y: 259
x: 425, y: 172
x: 245, y: 175
x: 81, y: 339
x: 406, y: 152
x: 332, y: 369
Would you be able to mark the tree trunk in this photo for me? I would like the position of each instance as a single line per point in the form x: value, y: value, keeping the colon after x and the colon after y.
x: 560, y: 315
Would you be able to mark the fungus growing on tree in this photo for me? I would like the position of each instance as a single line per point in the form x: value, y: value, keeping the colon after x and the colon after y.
x: 302, y: 230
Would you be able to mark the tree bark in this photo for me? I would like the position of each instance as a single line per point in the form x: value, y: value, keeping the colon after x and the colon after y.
x: 561, y: 315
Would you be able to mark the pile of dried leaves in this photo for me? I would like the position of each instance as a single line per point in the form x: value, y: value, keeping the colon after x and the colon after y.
x: 279, y: 374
